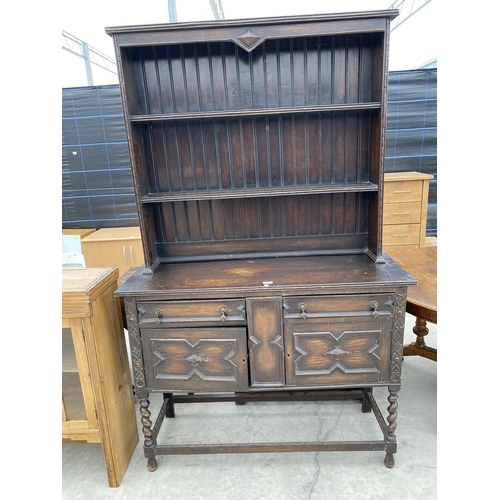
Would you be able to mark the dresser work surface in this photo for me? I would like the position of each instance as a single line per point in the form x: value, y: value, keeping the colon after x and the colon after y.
x: 253, y: 329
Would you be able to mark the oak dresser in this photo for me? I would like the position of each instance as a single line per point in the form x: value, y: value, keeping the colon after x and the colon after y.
x: 257, y: 151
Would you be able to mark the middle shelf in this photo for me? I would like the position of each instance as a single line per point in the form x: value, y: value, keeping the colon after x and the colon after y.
x: 260, y: 192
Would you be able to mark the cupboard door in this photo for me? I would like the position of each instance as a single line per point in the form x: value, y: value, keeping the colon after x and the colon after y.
x: 191, y: 359
x: 265, y: 342
x: 343, y: 352
x: 114, y: 247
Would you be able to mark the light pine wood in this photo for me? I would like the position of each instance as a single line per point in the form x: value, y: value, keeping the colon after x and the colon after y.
x: 78, y: 328
x: 119, y: 247
x: 401, y: 234
x: 83, y: 233
x: 92, y: 312
x: 406, y: 197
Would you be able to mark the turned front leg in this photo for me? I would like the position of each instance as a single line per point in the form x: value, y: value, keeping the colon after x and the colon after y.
x: 391, y: 428
x: 149, y: 442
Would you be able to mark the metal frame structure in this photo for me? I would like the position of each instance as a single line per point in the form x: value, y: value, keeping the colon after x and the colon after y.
x: 90, y: 55
x: 407, y: 8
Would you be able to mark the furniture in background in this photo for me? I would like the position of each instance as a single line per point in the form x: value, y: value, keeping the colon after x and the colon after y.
x: 73, y: 259
x: 83, y: 233
x: 98, y: 401
x: 119, y: 247
x: 72, y: 255
x: 257, y: 151
x: 406, y: 196
x: 422, y: 299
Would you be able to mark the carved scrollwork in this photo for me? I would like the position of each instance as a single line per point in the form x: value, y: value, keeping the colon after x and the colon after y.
x: 135, y: 342
x: 398, y: 334
x: 195, y: 360
x: 336, y: 352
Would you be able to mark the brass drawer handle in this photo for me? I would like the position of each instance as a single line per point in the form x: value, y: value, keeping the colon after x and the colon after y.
x: 303, y: 307
x: 223, y: 311
x: 401, y: 213
x: 374, y: 306
x: 157, y: 314
x: 403, y: 191
x: 400, y: 235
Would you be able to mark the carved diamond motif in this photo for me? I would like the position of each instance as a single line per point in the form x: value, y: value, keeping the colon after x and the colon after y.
x: 337, y: 351
x: 248, y: 38
x: 196, y: 360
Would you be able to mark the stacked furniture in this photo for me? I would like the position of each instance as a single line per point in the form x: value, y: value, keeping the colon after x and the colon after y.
x: 257, y: 151
x: 405, y: 210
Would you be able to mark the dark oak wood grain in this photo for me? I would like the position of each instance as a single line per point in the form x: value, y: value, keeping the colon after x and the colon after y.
x: 257, y: 150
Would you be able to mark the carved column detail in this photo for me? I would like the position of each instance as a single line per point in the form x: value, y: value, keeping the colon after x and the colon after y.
x: 135, y: 346
x: 393, y: 415
x: 398, y: 335
x: 391, y: 429
x: 149, y: 441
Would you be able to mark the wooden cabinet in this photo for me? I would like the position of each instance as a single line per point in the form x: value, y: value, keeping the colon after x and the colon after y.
x: 82, y: 233
x: 98, y: 402
x: 119, y: 247
x: 257, y: 150
x: 405, y: 210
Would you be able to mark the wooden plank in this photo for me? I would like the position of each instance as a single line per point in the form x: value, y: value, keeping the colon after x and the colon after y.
x: 112, y: 384
x: 266, y: 347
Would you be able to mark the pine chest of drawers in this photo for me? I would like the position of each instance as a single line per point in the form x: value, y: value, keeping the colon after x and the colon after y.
x: 406, y: 196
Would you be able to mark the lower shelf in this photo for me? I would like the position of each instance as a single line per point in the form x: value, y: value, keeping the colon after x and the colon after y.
x: 368, y: 404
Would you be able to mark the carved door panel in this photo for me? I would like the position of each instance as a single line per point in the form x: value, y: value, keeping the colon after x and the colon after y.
x: 337, y: 352
x: 265, y: 341
x: 212, y: 359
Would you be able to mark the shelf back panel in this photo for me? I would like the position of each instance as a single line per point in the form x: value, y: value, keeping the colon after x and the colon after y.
x: 220, y: 76
x: 254, y: 152
x: 329, y: 222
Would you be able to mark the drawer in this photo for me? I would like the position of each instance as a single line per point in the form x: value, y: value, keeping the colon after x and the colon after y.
x: 340, y: 353
x: 402, y: 191
x: 401, y: 234
x: 337, y: 306
x: 195, y: 359
x: 402, y: 213
x: 194, y: 312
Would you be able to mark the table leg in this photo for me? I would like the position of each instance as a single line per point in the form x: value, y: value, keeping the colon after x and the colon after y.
x: 419, y: 348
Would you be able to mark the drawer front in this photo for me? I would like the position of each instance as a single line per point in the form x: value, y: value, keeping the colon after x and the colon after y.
x: 211, y: 359
x: 193, y: 312
x: 338, y: 306
x: 402, y: 191
x: 401, y: 234
x: 338, y: 352
x: 402, y: 213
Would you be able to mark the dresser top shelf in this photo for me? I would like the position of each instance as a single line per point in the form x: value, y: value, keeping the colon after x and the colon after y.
x: 280, y: 276
x: 287, y: 20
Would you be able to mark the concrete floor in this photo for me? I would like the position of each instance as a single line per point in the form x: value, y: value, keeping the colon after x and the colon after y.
x: 281, y: 476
